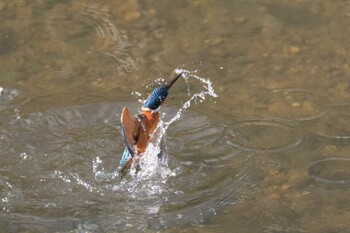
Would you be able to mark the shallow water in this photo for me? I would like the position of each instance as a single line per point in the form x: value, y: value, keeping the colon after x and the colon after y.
x: 269, y: 154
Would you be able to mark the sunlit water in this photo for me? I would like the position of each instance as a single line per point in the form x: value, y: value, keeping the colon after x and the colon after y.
x: 267, y: 151
x: 70, y: 156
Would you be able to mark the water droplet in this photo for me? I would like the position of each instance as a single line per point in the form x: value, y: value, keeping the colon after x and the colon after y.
x: 23, y: 155
x: 17, y: 116
x: 50, y: 205
x: 135, y: 93
x: 179, y: 192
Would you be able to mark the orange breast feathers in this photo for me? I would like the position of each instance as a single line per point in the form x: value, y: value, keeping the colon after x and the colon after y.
x: 148, y: 122
x: 137, y: 131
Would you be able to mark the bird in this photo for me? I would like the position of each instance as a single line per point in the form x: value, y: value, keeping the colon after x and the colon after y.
x: 137, y: 130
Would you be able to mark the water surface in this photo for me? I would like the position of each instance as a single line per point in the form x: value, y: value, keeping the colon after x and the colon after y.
x: 269, y: 154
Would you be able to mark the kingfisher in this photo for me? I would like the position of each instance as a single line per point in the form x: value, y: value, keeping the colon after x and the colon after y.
x: 137, y: 130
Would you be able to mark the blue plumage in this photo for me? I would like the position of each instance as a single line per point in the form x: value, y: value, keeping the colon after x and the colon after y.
x: 156, y: 98
x: 152, y: 103
x: 125, y: 157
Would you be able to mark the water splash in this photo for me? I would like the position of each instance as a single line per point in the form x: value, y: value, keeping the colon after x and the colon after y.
x: 154, y: 162
x: 191, y: 191
x: 208, y: 91
x: 150, y: 163
x: 99, y: 172
x: 6, y: 96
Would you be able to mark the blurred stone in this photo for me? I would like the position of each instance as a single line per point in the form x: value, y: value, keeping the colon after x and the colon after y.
x: 296, y: 104
x: 274, y: 196
x: 131, y: 16
x: 130, y: 10
x: 294, y: 49
x: 308, y: 107
x: 284, y: 187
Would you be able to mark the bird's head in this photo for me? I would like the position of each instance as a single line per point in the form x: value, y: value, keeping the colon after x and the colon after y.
x: 157, y: 97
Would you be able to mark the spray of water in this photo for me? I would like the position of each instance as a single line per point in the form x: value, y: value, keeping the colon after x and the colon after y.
x: 154, y: 167
x: 149, y: 162
x: 208, y: 91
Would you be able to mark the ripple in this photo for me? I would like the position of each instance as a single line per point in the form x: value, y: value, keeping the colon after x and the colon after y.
x: 334, y: 124
x: 333, y: 170
x: 10, y: 194
x: 293, y: 104
x: 11, y: 102
x: 264, y: 136
x: 74, y: 155
x: 91, y: 30
x: 275, y: 228
x: 7, y: 95
x: 202, y: 193
x: 48, y: 111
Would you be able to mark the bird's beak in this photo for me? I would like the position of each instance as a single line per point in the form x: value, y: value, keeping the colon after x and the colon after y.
x: 178, y: 74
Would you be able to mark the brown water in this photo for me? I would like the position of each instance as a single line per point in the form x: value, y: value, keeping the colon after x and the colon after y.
x: 270, y: 154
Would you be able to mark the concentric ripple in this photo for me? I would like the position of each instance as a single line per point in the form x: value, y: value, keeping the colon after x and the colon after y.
x: 67, y: 159
x: 264, y: 136
x: 334, y: 124
x: 333, y: 170
x: 293, y: 104
x: 89, y: 30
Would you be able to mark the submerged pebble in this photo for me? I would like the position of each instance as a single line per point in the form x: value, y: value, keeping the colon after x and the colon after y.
x: 294, y: 49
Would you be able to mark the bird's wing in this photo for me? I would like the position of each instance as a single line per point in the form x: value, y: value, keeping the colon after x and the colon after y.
x: 129, y: 124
